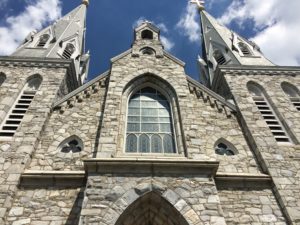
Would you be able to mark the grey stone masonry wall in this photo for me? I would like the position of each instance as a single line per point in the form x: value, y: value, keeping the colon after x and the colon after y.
x: 46, y: 207
x: 108, y: 195
x: 281, y: 161
x: 16, y: 152
x: 78, y: 116
x: 250, y: 206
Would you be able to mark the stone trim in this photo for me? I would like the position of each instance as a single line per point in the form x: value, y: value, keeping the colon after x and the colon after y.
x: 116, y: 58
x: 207, y: 94
x: 152, y: 166
x: 33, y: 178
x: 100, y: 78
x: 260, y: 70
x: 35, y: 62
x: 172, y: 57
x: 243, y: 180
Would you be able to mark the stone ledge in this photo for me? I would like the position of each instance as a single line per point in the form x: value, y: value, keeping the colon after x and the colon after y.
x: 243, y: 180
x: 156, y: 167
x: 32, y: 178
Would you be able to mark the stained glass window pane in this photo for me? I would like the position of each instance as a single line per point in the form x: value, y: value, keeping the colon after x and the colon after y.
x: 156, y: 144
x: 150, y: 127
x: 133, y: 127
x: 168, y: 144
x: 144, y: 145
x: 131, y: 143
x: 150, y: 121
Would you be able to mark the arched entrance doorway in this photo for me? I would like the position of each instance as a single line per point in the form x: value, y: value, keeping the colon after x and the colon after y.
x: 151, y: 209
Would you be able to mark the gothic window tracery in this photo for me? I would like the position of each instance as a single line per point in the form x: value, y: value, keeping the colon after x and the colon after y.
x: 293, y: 93
x: 72, y: 144
x: 223, y: 149
x: 149, y: 123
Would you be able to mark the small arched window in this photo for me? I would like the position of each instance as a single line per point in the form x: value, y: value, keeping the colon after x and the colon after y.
x: 20, y: 107
x: 43, y: 40
x: 2, y: 78
x: 149, y: 123
x: 244, y: 49
x: 219, y: 57
x: 68, y: 51
x: 293, y: 93
x: 72, y: 144
x: 147, y: 34
x: 223, y: 148
x: 147, y: 51
x: 268, y: 113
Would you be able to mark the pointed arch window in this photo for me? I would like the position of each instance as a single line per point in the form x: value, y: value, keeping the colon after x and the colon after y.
x: 20, y: 107
x: 68, y: 51
x: 222, y: 147
x: 43, y: 40
x: 293, y: 93
x: 219, y: 57
x: 268, y: 113
x: 149, y: 123
x: 244, y: 49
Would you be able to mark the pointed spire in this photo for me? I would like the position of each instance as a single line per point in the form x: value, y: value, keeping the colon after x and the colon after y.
x: 221, y: 46
x: 64, y: 39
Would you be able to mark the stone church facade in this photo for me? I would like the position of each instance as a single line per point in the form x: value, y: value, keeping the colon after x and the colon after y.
x: 143, y: 143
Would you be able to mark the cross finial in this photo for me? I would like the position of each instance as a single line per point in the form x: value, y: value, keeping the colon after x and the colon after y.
x: 199, y: 3
x: 86, y: 2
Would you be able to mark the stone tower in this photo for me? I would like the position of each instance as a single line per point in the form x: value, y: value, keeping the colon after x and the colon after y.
x: 143, y: 143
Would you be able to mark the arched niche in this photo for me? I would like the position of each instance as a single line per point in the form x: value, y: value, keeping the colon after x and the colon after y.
x: 153, y: 209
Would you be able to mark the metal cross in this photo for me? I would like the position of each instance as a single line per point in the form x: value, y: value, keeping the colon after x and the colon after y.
x: 200, y: 4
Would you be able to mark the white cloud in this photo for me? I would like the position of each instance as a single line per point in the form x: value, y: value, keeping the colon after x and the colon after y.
x: 167, y: 43
x: 34, y: 17
x: 277, y: 26
x: 189, y: 23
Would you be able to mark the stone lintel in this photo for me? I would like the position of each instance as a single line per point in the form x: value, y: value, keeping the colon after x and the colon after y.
x: 151, y: 166
x: 243, y: 180
x: 32, y: 178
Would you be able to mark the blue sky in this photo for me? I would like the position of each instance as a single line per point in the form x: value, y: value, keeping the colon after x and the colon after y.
x: 110, y: 26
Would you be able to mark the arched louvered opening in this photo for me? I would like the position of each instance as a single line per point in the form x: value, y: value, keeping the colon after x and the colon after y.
x: 152, y: 209
x: 223, y: 147
x: 68, y: 51
x: 2, y: 78
x: 219, y: 57
x: 244, y: 49
x: 147, y: 34
x: 268, y: 113
x: 293, y: 93
x: 149, y: 123
x: 43, y: 40
x: 20, y: 107
x: 72, y: 144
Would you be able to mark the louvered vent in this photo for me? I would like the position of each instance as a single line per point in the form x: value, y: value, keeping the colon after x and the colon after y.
x: 43, y: 40
x: 244, y: 49
x: 69, y: 50
x: 219, y: 57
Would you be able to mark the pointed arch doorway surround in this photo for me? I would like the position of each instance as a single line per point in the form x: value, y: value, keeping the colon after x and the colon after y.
x: 151, y: 209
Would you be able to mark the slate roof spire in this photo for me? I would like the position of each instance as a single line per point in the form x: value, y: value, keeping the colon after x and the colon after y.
x: 222, y: 46
x: 64, y: 39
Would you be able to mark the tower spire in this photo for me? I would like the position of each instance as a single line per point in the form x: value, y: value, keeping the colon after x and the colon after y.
x: 221, y: 46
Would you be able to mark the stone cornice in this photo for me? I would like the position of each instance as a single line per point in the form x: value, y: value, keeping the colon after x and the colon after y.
x: 260, y: 70
x: 211, y: 96
x: 35, y: 62
x: 155, y: 167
